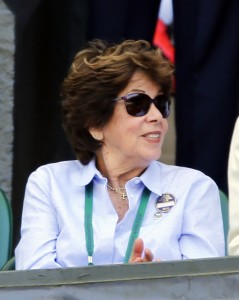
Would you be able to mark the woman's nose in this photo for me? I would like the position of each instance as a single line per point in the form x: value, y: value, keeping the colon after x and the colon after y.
x: 154, y: 114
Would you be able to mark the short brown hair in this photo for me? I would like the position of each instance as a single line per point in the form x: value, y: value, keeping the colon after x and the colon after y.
x: 97, y: 75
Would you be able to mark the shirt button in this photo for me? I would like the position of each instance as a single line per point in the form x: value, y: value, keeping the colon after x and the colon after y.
x: 136, y: 181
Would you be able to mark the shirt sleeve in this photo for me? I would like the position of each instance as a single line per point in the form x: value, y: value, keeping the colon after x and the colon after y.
x: 233, y: 187
x: 202, y: 227
x: 39, y: 229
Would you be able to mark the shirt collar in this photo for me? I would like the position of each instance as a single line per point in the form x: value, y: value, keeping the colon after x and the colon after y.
x: 151, y: 177
x: 87, y: 173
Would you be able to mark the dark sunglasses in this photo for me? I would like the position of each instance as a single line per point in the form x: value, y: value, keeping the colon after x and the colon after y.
x: 138, y: 105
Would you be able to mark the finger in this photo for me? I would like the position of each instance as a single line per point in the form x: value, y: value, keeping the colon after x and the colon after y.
x: 137, y: 252
x: 148, y: 255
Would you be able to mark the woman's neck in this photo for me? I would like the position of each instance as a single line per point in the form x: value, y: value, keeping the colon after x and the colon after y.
x: 117, y: 174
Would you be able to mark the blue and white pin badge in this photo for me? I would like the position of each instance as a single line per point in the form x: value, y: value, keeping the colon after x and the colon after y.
x: 164, y: 204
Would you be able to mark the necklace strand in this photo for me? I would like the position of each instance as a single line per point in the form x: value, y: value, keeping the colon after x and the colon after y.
x: 119, y: 190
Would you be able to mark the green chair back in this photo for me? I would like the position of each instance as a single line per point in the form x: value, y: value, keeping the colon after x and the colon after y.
x: 225, y: 214
x: 5, y: 229
x: 10, y: 265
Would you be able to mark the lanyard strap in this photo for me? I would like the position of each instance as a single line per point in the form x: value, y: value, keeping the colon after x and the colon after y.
x: 137, y: 223
x: 88, y: 221
x: 89, y: 228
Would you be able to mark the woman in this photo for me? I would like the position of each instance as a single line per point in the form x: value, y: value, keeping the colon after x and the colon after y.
x: 233, y: 188
x: 117, y: 203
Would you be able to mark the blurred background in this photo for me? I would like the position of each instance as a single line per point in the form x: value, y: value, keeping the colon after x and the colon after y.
x: 38, y: 39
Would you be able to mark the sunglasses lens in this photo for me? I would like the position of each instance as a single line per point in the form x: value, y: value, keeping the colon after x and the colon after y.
x: 163, y: 105
x: 137, y: 105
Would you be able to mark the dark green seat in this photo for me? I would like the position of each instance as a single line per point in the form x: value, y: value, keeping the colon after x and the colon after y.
x: 5, y: 229
x: 10, y: 265
x: 225, y: 214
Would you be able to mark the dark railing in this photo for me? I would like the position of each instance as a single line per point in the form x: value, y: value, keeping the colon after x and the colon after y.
x: 216, y: 278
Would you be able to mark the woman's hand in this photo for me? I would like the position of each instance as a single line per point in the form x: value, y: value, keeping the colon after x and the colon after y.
x: 139, y: 254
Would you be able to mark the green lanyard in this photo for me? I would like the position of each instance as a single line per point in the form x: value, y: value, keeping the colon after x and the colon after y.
x: 88, y: 221
x: 89, y: 228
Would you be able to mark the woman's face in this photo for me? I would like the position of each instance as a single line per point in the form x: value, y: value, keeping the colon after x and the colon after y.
x: 130, y: 140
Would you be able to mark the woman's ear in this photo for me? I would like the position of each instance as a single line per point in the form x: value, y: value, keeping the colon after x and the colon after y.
x: 97, y: 134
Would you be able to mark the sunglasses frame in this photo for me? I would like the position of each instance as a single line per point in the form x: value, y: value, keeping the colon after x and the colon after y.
x: 150, y: 100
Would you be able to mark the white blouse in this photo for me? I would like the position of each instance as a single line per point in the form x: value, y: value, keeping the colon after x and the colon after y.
x: 53, y: 232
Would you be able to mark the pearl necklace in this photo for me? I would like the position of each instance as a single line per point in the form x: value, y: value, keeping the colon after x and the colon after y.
x: 119, y: 190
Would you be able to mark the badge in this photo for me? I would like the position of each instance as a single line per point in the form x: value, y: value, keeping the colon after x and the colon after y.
x: 164, y: 204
